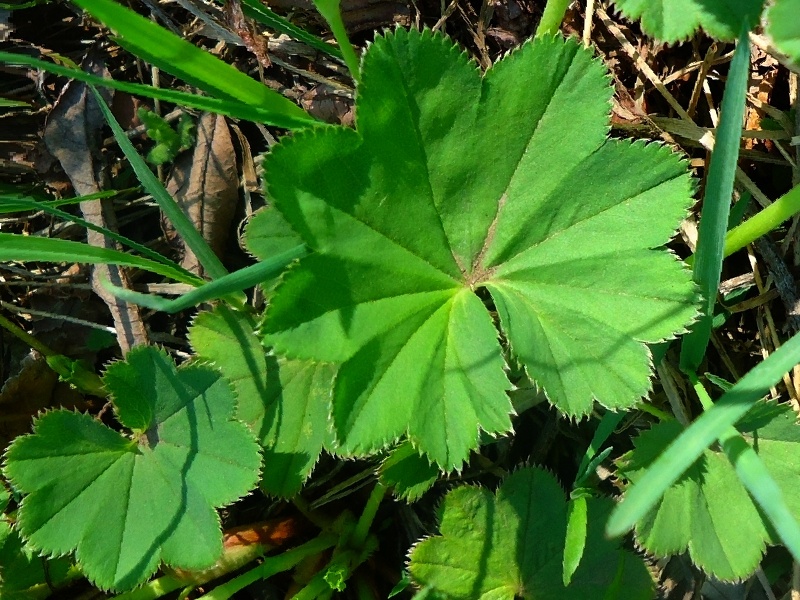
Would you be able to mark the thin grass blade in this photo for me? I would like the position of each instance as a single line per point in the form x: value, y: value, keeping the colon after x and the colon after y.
x: 229, y: 108
x: 169, y: 207
x: 764, y: 221
x: 717, y: 203
x: 178, y: 57
x: 229, y: 284
x: 762, y: 487
x: 330, y: 11
x: 143, y: 250
x: 22, y: 248
x: 259, y: 12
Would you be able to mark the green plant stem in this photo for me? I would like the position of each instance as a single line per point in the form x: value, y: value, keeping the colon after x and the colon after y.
x: 763, y: 222
x: 656, y: 412
x: 368, y: 515
x: 329, y: 9
x: 152, y: 590
x: 717, y: 204
x: 272, y: 565
x: 554, y: 12
x: 26, y: 337
x: 69, y: 370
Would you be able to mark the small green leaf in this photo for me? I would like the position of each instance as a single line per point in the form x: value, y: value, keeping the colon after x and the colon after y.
x: 708, y: 511
x: 577, y: 516
x: 511, y: 545
x: 409, y: 473
x: 456, y: 182
x: 285, y: 402
x: 783, y: 25
x: 676, y: 20
x: 123, y: 505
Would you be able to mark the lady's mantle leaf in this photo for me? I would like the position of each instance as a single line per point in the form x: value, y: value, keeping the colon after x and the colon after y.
x: 512, y: 545
x: 285, y: 402
x: 676, y: 20
x: 708, y: 511
x: 784, y: 27
x: 124, y: 505
x: 454, y: 182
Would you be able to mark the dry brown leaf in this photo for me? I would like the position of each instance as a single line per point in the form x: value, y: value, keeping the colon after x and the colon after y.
x: 205, y: 184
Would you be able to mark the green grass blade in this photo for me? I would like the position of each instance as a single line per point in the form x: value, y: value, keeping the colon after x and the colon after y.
x: 712, y: 424
x: 23, y: 248
x: 762, y: 487
x: 178, y: 57
x: 755, y: 477
x: 764, y: 221
x: 235, y: 282
x: 552, y: 17
x: 222, y: 106
x: 329, y: 9
x: 259, y: 12
x: 143, y: 250
x: 193, y: 239
x: 19, y: 201
x: 604, y: 430
x: 717, y: 203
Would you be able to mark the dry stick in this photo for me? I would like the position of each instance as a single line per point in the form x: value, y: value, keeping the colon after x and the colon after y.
x: 691, y: 67
x: 708, y: 140
x: 587, y: 23
x: 451, y: 8
x: 702, y: 73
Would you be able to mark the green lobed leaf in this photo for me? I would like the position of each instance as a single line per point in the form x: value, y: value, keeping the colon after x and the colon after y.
x: 708, y: 511
x: 676, y: 20
x: 511, y: 546
x: 455, y: 182
x: 408, y: 472
x: 784, y: 27
x: 285, y: 402
x: 125, y: 504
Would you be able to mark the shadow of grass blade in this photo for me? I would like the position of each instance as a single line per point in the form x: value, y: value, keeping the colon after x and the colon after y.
x: 688, y: 447
x: 178, y: 57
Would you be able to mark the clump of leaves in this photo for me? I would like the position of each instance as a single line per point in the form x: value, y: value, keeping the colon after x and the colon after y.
x: 169, y: 141
x: 510, y: 545
x: 675, y: 20
x: 453, y: 185
x: 125, y: 502
x: 708, y: 511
